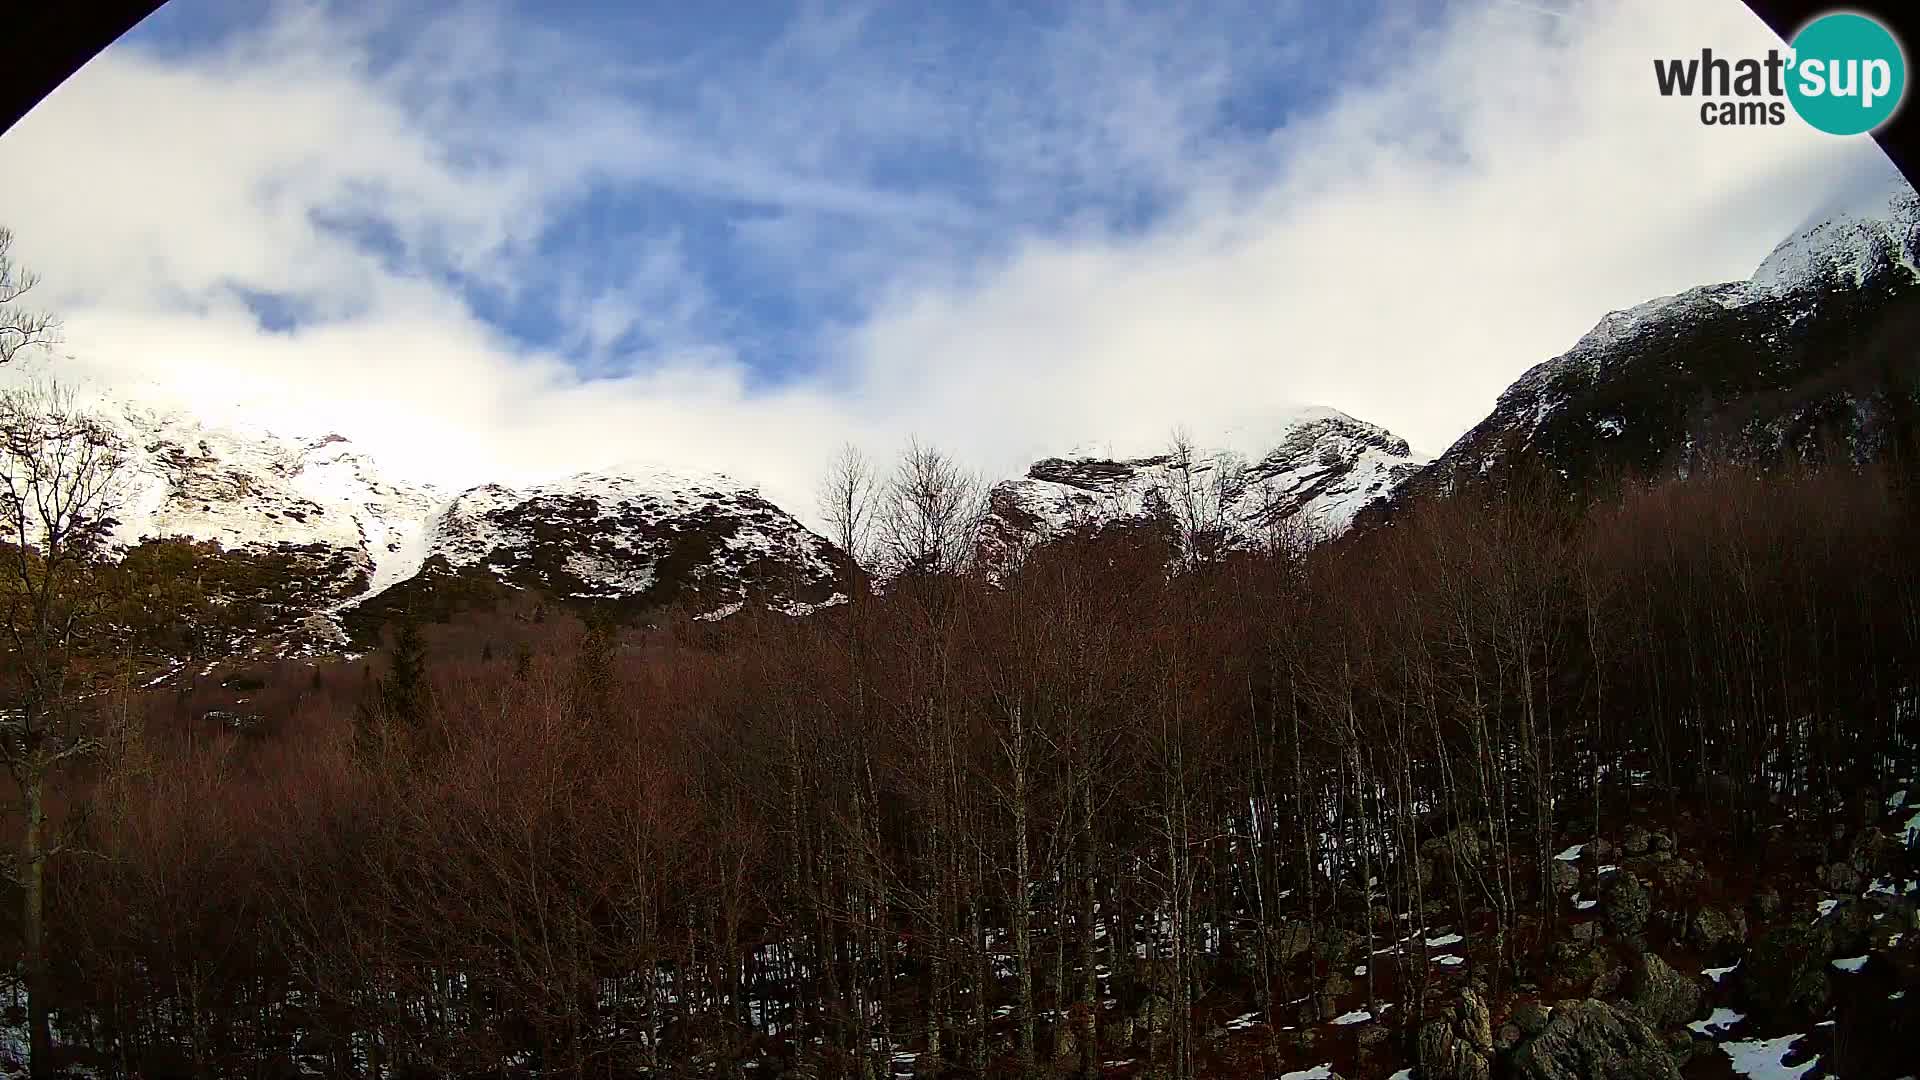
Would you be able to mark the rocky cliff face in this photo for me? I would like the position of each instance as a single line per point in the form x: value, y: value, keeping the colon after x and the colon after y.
x: 345, y: 545
x: 1306, y: 482
x: 1816, y: 353
x: 637, y: 537
x: 343, y: 528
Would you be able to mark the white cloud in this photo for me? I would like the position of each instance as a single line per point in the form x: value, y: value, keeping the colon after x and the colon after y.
x: 1430, y: 227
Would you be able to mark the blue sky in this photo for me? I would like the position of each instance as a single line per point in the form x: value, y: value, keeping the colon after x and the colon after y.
x: 499, y: 241
x: 884, y: 132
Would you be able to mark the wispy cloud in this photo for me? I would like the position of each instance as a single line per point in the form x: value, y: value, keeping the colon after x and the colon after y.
x: 492, y: 243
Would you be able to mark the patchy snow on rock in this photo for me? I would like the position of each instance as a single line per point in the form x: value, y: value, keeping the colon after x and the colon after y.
x: 1304, y: 479
x: 1873, y: 232
x: 1716, y: 974
x: 1571, y: 853
x: 249, y: 488
x: 1850, y: 964
x: 352, y: 532
x: 1318, y: 1072
x: 609, y: 533
x: 1877, y: 220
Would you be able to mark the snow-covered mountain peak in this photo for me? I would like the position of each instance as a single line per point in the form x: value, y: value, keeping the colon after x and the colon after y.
x: 1870, y: 229
x: 636, y: 477
x: 1250, y: 439
x: 1311, y: 471
x: 328, y: 531
x: 1750, y: 369
x: 1867, y: 228
x: 639, y: 530
x: 187, y: 478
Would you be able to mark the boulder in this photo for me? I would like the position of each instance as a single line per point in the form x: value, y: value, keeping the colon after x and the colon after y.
x: 1677, y: 873
x: 1591, y: 1040
x: 1848, y: 928
x: 1565, y: 876
x: 1840, y: 877
x: 1443, y: 1056
x: 1456, y: 1047
x: 1625, y: 904
x: 1474, y: 1020
x: 1636, y: 842
x: 1338, y: 946
x: 1661, y: 996
x: 1530, y: 1017
x: 1462, y: 847
x: 1290, y: 940
x: 1784, y: 978
x: 1874, y: 853
x: 1714, y: 930
x: 1590, y: 969
x: 1373, y: 1038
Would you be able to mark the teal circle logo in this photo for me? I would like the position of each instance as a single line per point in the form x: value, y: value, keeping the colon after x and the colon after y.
x: 1848, y: 75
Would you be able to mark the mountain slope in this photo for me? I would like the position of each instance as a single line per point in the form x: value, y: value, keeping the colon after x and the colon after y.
x: 1306, y: 480
x: 340, y: 527
x: 636, y: 537
x: 333, y: 545
x: 1816, y: 348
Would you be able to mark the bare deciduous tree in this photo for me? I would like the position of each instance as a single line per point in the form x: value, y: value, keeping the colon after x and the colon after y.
x: 59, y: 475
x: 1203, y: 490
x: 847, y: 496
x: 929, y: 513
x: 21, y: 328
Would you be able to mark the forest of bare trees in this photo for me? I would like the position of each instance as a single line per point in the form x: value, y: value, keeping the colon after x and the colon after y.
x: 1083, y: 811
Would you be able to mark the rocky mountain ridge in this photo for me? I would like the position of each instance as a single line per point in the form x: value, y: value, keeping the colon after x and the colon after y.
x: 1814, y: 350
x: 1302, y: 484
x: 357, y: 543
x: 1815, y: 346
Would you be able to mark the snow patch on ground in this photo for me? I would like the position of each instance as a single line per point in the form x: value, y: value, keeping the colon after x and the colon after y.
x: 1721, y: 1021
x: 1763, y: 1059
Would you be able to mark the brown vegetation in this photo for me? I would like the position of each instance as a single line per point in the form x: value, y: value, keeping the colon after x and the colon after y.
x: 1086, y: 812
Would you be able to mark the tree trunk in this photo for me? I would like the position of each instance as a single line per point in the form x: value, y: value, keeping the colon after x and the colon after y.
x: 33, y: 930
x: 1022, y: 875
